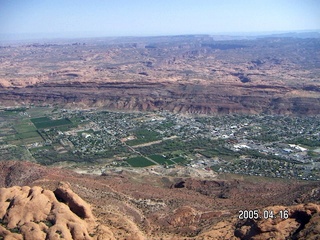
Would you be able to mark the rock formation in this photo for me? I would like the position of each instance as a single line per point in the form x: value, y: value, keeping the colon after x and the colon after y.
x: 36, y: 213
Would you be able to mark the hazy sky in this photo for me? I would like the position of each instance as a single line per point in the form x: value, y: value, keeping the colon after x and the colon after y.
x: 156, y: 17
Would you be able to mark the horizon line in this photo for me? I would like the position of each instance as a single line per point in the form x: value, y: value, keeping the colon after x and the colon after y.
x: 17, y: 37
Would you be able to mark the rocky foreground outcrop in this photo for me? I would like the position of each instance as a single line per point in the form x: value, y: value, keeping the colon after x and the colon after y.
x: 36, y: 213
x: 38, y: 202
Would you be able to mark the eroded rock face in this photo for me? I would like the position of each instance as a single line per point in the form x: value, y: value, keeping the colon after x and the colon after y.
x: 183, y: 97
x: 36, y: 213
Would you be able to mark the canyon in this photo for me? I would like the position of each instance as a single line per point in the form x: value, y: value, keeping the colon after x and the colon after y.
x: 184, y: 74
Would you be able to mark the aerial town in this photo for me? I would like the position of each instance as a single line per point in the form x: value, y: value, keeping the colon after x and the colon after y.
x: 262, y: 145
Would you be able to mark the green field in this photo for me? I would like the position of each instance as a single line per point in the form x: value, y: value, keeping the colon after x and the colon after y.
x: 139, y: 162
x: 160, y: 159
x: 27, y: 135
x: 40, y: 119
x: 25, y: 126
x: 44, y: 122
x: 24, y: 141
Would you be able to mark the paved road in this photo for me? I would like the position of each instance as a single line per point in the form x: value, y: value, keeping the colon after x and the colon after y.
x: 154, y: 142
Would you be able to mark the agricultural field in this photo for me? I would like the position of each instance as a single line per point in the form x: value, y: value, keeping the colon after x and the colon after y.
x: 23, y: 133
x: 139, y: 162
x: 160, y: 159
x: 12, y: 152
x: 25, y: 126
x: 44, y: 122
